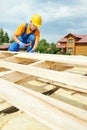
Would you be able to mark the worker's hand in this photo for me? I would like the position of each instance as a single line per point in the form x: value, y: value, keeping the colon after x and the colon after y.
x: 21, y: 44
x: 31, y: 51
x: 28, y: 44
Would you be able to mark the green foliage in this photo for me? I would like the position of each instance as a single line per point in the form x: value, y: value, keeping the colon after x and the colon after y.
x: 59, y: 53
x: 42, y: 47
x: 67, y: 53
x: 1, y: 36
x: 4, y: 38
x: 45, y: 47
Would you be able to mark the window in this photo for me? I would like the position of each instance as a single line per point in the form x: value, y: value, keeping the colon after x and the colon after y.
x: 70, y: 49
x: 58, y: 44
x: 70, y: 41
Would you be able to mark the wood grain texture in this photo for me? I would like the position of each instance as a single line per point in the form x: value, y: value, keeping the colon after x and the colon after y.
x: 38, y: 108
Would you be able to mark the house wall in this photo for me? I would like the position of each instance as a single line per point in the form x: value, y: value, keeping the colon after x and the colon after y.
x: 81, y: 48
x: 71, y: 45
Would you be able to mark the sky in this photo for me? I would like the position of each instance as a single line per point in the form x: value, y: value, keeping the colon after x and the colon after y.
x: 60, y: 17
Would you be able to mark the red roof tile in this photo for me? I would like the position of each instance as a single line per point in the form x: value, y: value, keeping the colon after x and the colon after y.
x: 81, y: 38
x: 4, y: 46
x: 61, y: 46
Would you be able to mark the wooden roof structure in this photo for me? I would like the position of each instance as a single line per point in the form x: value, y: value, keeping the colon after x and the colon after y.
x: 50, y: 88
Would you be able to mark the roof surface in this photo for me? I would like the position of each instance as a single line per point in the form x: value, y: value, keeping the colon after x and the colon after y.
x: 81, y: 38
x: 4, y: 46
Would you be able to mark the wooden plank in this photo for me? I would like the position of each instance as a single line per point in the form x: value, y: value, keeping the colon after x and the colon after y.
x: 55, y: 91
x: 67, y: 97
x: 14, y: 76
x: 76, y: 82
x: 78, y: 70
x: 73, y: 60
x: 43, y: 111
x: 76, y: 112
x: 6, y: 72
x: 4, y: 54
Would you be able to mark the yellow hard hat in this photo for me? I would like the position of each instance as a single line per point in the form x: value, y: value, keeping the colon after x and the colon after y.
x: 36, y: 20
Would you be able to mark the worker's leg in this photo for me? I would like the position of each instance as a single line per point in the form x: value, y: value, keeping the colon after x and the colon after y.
x: 31, y: 39
x: 13, y: 47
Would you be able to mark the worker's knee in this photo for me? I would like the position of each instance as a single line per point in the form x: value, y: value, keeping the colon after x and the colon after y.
x: 14, y: 47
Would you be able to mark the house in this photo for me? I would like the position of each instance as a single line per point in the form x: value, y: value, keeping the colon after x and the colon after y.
x: 73, y: 44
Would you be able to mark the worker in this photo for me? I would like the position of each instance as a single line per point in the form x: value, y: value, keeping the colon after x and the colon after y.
x: 27, y: 35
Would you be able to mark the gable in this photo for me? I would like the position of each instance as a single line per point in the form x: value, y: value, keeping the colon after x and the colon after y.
x: 78, y: 38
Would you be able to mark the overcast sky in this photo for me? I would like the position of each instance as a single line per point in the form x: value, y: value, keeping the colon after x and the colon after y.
x: 60, y: 17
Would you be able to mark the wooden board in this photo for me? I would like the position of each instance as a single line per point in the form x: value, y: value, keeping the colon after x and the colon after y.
x: 34, y: 105
x: 63, y: 78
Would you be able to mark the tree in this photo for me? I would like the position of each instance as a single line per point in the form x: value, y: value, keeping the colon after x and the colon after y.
x: 1, y: 36
x: 53, y: 49
x: 6, y: 38
x: 43, y: 45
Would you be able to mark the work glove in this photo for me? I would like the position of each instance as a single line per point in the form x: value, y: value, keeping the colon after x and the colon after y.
x: 22, y: 45
x: 31, y: 51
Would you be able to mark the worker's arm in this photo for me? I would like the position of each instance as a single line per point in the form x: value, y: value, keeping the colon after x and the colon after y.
x: 37, y: 33
x: 15, y: 38
x: 19, y: 31
x: 35, y: 45
x: 21, y: 44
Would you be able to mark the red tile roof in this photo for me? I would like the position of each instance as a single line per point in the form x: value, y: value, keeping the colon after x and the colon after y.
x: 81, y: 38
x: 61, y: 46
x: 62, y: 40
x: 4, y: 46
